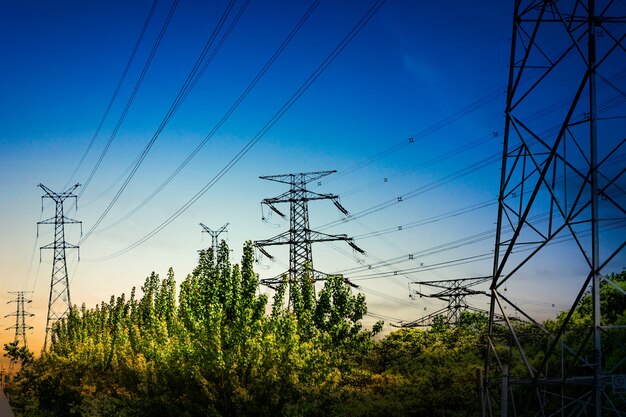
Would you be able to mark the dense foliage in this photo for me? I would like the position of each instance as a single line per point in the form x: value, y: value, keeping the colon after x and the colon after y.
x: 214, y: 346
x: 211, y: 350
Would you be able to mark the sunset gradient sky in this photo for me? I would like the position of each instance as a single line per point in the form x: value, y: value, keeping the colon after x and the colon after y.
x: 432, y: 71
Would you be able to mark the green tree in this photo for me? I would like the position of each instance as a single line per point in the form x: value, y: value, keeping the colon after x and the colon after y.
x: 18, y: 354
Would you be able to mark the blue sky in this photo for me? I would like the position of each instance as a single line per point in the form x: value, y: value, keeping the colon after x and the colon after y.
x: 414, y: 66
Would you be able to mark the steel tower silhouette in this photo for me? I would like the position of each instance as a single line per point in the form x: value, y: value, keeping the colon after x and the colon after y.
x: 299, y: 237
x: 59, y: 301
x: 567, y: 164
x: 452, y: 291
x: 215, y: 234
x: 20, y: 315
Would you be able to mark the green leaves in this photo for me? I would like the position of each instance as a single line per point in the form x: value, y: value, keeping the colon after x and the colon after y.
x: 211, y: 349
x: 17, y: 354
x: 338, y: 313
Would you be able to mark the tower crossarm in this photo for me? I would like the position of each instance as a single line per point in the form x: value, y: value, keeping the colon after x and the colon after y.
x: 303, y: 195
x: 58, y: 197
x: 59, y: 245
x: 212, y: 232
x: 306, y: 177
x: 281, y: 239
x: 52, y: 220
x: 317, y: 276
x: 323, y: 237
x: 448, y: 283
x: 215, y: 234
x: 448, y: 293
x: 314, y: 237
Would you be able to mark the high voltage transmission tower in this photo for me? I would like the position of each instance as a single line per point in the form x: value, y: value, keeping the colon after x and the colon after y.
x: 453, y: 292
x: 59, y: 302
x: 215, y: 234
x: 20, y: 315
x: 299, y: 237
x: 569, y: 164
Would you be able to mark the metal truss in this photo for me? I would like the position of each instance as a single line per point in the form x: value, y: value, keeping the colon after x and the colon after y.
x: 299, y: 237
x: 20, y: 316
x: 452, y: 291
x: 567, y: 164
x: 215, y: 234
x: 59, y: 302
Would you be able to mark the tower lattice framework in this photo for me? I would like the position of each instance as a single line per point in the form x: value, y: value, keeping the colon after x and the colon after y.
x: 20, y: 315
x: 59, y: 301
x: 299, y: 237
x: 215, y: 235
x: 561, y: 227
x: 454, y: 292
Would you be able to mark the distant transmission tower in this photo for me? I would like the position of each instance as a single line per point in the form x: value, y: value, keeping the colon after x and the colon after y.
x: 59, y: 302
x: 20, y: 316
x: 215, y: 234
x: 453, y: 292
x: 567, y: 165
x: 299, y: 237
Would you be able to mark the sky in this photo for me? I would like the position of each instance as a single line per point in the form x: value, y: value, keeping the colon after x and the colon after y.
x: 431, y: 71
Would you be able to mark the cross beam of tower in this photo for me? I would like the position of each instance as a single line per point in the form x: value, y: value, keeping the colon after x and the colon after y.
x: 20, y: 315
x: 59, y: 301
x: 215, y: 234
x: 568, y: 163
x: 299, y: 237
x: 453, y: 292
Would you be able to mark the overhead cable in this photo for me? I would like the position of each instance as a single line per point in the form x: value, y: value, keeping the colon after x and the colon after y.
x: 275, y: 118
x: 115, y: 92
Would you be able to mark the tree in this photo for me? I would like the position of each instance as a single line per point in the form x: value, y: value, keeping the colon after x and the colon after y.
x: 18, y: 354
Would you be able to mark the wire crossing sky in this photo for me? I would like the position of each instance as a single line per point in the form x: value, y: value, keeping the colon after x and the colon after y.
x: 170, y: 111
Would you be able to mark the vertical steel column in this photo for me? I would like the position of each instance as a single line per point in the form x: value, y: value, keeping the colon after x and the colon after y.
x: 595, y: 230
x: 20, y: 316
x: 59, y: 301
x: 564, y: 166
x: 299, y: 237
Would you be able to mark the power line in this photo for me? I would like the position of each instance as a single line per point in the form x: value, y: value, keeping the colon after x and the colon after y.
x: 463, y: 148
x: 485, y: 162
x: 382, y: 316
x: 277, y: 116
x: 444, y: 247
x: 474, y: 167
x: 386, y: 296
x: 226, y: 115
x: 429, y: 220
x: 130, y: 100
x: 195, y: 72
x: 470, y: 108
x: 426, y: 267
x: 455, y: 244
x: 115, y: 92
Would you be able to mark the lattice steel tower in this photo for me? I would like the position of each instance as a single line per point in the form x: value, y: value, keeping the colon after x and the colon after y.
x: 452, y: 291
x: 20, y: 315
x: 215, y: 234
x: 562, y: 193
x: 59, y: 302
x: 299, y: 237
